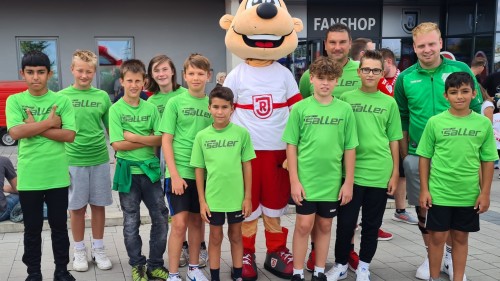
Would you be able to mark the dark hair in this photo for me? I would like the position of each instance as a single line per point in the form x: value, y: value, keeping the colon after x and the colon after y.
x: 197, y: 61
x: 221, y: 92
x: 388, y: 54
x: 35, y: 58
x: 134, y: 66
x: 359, y: 45
x: 338, y: 27
x: 373, y: 55
x: 325, y: 67
x: 457, y: 79
x: 152, y: 86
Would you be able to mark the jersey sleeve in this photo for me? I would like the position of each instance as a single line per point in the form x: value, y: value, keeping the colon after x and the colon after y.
x: 394, y: 132
x: 247, y: 151
x: 402, y: 101
x: 169, y: 118
x: 305, y: 85
x: 488, y: 151
x: 197, y: 157
x: 105, y: 116
x: 67, y: 114
x: 291, y: 135
x: 14, y: 112
x: 115, y: 125
x: 427, y: 142
x: 350, y: 131
x: 156, y: 121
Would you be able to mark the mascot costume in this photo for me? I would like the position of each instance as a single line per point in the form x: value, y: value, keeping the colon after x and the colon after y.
x: 261, y: 32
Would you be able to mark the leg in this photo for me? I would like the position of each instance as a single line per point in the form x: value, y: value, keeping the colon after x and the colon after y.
x: 436, y: 244
x: 400, y: 194
x: 460, y: 244
x: 323, y: 234
x: 194, y: 234
x: 248, y: 232
x: 279, y: 260
x: 214, y: 246
x: 98, y: 219
x: 234, y: 234
x: 373, y: 208
x: 57, y: 205
x: 177, y: 235
x: 77, y: 220
x: 303, y: 227
x: 32, y: 206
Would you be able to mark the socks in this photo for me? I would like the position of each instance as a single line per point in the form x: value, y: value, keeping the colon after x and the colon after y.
x: 299, y: 271
x: 312, y: 245
x: 193, y: 266
x: 237, y: 272
x: 79, y: 245
x: 97, y: 243
x: 447, y: 255
x: 203, y: 245
x: 172, y: 275
x: 318, y: 270
x: 185, y: 244
x: 364, y: 265
x: 399, y: 211
x: 214, y: 274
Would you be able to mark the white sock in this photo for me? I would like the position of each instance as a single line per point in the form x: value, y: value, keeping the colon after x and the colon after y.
x: 364, y: 265
x: 318, y: 270
x: 79, y: 245
x: 447, y: 254
x: 97, y: 243
x: 299, y: 271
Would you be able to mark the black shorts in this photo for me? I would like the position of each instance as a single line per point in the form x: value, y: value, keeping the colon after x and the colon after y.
x: 444, y: 218
x: 218, y: 218
x: 323, y: 209
x: 188, y: 201
x: 401, y: 169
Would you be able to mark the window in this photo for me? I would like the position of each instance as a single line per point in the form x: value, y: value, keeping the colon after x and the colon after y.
x: 112, y: 52
x: 47, y: 46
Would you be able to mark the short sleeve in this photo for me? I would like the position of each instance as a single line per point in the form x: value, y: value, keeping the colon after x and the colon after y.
x: 13, y: 112
x: 156, y: 121
x: 67, y: 114
x: 291, y: 135
x: 197, y: 157
x: 169, y: 119
x: 305, y: 85
x: 394, y: 131
x: 427, y: 141
x: 488, y: 151
x: 351, y: 131
x: 247, y: 151
x: 115, y: 125
x: 105, y: 116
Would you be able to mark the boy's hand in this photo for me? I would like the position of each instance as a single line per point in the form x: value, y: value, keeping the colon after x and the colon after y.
x: 285, y: 164
x: 297, y: 192
x: 178, y: 185
x: 246, y: 208
x: 54, y: 119
x: 129, y: 136
x: 425, y: 199
x: 482, y: 203
x: 30, y: 118
x: 205, y: 212
x: 392, y: 185
x: 345, y: 194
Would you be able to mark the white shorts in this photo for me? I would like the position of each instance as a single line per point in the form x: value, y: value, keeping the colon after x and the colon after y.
x: 89, y: 185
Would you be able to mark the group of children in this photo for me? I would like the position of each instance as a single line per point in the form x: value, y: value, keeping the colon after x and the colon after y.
x: 342, y: 156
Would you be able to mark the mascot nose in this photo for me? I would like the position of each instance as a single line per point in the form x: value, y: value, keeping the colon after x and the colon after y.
x: 267, y: 11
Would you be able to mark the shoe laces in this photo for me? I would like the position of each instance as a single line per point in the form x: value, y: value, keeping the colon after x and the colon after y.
x: 139, y: 270
x: 198, y: 275
x: 203, y: 254
x: 286, y: 255
x: 80, y: 255
x: 160, y: 272
x: 247, y: 259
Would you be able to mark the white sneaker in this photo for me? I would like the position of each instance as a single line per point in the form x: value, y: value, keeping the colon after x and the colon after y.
x: 196, y: 275
x: 202, y: 262
x: 448, y: 268
x: 80, y: 262
x: 174, y: 278
x: 101, y: 259
x: 423, y: 271
x: 362, y: 274
x: 184, y: 257
x: 337, y: 272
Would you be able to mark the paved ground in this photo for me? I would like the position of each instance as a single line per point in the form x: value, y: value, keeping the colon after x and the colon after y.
x: 395, y: 260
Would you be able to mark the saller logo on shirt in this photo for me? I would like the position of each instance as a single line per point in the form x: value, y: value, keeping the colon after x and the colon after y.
x: 347, y: 83
x: 357, y: 107
x: 321, y: 120
x: 35, y: 111
x: 455, y: 132
x: 132, y: 118
x: 85, y: 103
x: 219, y: 143
x: 190, y: 111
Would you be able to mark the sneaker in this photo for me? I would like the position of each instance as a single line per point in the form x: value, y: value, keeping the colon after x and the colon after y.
x: 423, y: 270
x: 384, y: 236
x: 311, y: 261
x: 184, y: 256
x: 63, y: 275
x: 362, y: 274
x: 100, y: 258
x: 249, y: 270
x: 203, y: 258
x: 80, y: 262
x: 157, y: 273
x: 321, y: 277
x: 405, y: 217
x: 174, y: 278
x: 448, y: 269
x: 139, y: 273
x: 297, y: 277
x: 353, y: 260
x: 37, y: 276
x: 280, y: 263
x: 196, y: 275
x: 337, y: 272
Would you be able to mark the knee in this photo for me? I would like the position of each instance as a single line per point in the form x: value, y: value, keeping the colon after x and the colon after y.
x: 303, y: 228
x: 216, y: 238
x: 324, y: 225
x: 234, y: 236
x: 79, y: 212
x: 460, y: 238
x: 178, y: 227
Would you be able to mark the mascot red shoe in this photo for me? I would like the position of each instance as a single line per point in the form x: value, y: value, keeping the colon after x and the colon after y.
x: 262, y: 32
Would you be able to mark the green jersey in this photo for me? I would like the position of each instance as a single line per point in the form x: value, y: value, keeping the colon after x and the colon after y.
x: 457, y: 146
x: 321, y: 132
x: 160, y: 99
x: 184, y: 117
x: 91, y: 112
x: 348, y: 81
x: 221, y: 153
x: 42, y: 163
x: 141, y: 120
x: 378, y: 123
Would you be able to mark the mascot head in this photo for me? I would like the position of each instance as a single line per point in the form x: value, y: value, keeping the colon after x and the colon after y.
x: 261, y: 29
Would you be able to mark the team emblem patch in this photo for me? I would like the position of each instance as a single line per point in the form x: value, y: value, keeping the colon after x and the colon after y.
x: 274, y: 261
x: 263, y: 106
x: 409, y: 19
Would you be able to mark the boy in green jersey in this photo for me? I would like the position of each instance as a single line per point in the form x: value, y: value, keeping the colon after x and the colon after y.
x: 89, y: 161
x: 224, y: 150
x: 42, y: 121
x: 133, y: 133
x: 320, y: 132
x: 184, y: 116
x: 453, y: 203
x: 377, y: 166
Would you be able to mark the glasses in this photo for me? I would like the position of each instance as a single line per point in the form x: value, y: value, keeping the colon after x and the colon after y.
x: 375, y: 71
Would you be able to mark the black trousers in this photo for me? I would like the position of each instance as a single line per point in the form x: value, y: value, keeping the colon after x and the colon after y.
x: 373, y: 201
x: 57, y: 206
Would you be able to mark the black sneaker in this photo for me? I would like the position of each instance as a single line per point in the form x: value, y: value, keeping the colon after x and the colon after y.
x: 34, y: 277
x: 297, y: 277
x: 63, y: 275
x: 320, y: 277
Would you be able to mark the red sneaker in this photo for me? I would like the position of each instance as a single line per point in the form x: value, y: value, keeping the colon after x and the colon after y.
x: 353, y: 260
x: 280, y: 263
x: 384, y: 236
x: 311, y: 261
x: 249, y: 270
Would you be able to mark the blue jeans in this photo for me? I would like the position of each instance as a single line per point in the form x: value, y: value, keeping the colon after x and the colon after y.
x: 12, y: 200
x: 153, y: 196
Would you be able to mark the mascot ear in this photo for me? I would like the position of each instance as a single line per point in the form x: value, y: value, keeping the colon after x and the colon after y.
x: 297, y: 25
x: 226, y: 20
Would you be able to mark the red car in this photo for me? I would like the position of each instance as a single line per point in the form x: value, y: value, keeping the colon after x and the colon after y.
x: 8, y: 88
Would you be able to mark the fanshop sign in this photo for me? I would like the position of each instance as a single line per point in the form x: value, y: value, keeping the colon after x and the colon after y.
x: 362, y: 22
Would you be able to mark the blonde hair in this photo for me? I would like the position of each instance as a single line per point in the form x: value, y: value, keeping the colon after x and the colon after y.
x: 425, y: 28
x: 85, y: 56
